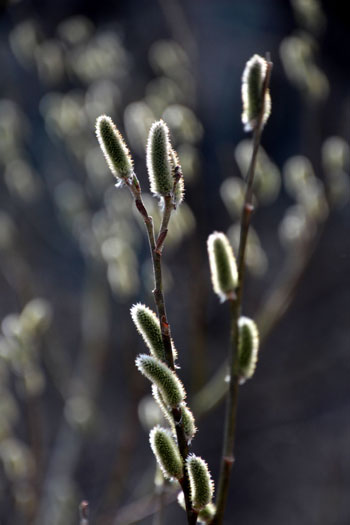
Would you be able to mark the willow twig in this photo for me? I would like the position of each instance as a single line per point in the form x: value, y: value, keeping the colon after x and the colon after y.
x: 156, y: 254
x: 227, y: 459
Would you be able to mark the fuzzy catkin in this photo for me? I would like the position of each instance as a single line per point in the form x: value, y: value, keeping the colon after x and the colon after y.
x: 179, y: 192
x: 169, y: 385
x: 248, y: 347
x: 158, y: 159
x: 252, y: 84
x: 188, y: 422
x: 147, y: 325
x: 166, y: 452
x: 114, y: 148
x: 157, y: 396
x: 223, y: 265
x: 201, y: 484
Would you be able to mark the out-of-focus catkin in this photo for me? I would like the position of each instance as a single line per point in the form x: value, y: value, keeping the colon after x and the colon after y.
x: 223, y: 265
x: 248, y: 347
x: 252, y: 90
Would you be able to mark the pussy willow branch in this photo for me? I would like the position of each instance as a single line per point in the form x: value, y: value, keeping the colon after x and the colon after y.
x: 235, y: 308
x: 274, y: 306
x: 156, y: 254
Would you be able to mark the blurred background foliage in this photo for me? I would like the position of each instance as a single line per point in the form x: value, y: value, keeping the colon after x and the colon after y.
x: 74, y: 414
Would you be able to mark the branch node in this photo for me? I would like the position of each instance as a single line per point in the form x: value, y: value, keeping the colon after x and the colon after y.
x: 160, y: 241
x: 229, y: 460
x: 165, y: 326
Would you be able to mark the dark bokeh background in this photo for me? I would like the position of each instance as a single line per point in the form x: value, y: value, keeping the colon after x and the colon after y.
x: 69, y: 392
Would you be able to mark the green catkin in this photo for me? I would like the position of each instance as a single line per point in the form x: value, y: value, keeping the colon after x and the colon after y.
x: 166, y: 452
x: 179, y: 193
x: 188, y: 422
x: 147, y: 324
x: 252, y: 84
x: 248, y: 346
x: 169, y: 385
x: 162, y: 405
x: 158, y: 159
x: 114, y: 148
x: 201, y: 484
x: 223, y: 265
x: 205, y: 515
x: 187, y: 419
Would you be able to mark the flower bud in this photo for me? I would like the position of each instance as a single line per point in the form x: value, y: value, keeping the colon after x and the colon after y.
x: 147, y: 325
x: 114, y: 148
x: 248, y: 346
x: 188, y: 422
x: 169, y: 385
x: 157, y: 396
x: 223, y: 266
x: 180, y: 186
x: 158, y: 159
x: 166, y: 452
x: 201, y: 484
x: 252, y: 86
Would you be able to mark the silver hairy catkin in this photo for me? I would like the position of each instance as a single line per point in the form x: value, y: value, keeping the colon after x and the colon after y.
x: 223, y: 265
x: 252, y: 90
x: 201, y: 484
x: 158, y: 159
x: 166, y: 452
x: 248, y: 347
x: 179, y: 192
x: 170, y: 386
x: 114, y: 148
x: 147, y: 324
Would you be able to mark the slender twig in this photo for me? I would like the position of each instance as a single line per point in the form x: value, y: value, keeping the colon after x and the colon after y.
x: 274, y: 306
x: 156, y: 254
x: 235, y: 307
